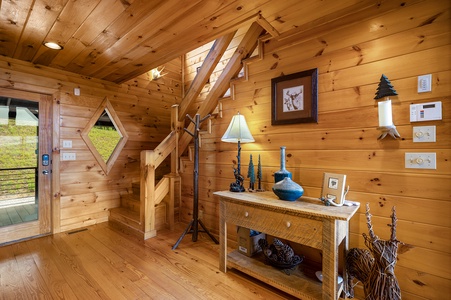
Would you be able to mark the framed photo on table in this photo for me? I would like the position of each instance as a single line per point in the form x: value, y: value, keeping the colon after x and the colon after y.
x: 294, y: 98
x: 334, y: 187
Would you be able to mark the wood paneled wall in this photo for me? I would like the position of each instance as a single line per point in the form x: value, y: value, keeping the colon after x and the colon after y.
x: 403, y: 43
x: 82, y: 192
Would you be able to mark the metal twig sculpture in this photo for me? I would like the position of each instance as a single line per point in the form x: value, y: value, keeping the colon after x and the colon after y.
x: 375, y: 268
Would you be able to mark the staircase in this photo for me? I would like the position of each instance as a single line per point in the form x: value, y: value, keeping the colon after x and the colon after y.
x: 126, y: 218
x: 150, y: 205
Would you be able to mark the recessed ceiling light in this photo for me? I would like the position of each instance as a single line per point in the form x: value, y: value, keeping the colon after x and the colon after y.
x: 53, y: 46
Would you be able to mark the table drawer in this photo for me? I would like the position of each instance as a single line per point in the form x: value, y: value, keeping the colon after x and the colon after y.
x: 291, y: 227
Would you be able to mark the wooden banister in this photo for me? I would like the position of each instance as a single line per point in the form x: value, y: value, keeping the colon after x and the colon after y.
x: 151, y: 194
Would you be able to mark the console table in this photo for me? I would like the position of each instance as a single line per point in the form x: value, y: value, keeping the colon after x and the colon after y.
x: 305, y: 221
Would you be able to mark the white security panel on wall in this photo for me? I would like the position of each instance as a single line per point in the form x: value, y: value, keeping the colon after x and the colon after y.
x: 426, y: 111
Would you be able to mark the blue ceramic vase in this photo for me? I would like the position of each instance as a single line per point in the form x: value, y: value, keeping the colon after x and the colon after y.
x: 282, y: 173
x: 288, y: 190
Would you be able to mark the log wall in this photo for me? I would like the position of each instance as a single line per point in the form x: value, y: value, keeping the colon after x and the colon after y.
x: 402, y: 43
x: 82, y: 192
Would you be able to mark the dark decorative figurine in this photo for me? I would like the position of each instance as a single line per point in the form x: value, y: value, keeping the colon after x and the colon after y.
x: 237, y: 186
x: 279, y: 255
x: 375, y: 268
x: 259, y: 175
x: 251, y: 175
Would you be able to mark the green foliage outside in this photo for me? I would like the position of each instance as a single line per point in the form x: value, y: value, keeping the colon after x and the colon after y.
x: 105, y: 139
x: 18, y: 149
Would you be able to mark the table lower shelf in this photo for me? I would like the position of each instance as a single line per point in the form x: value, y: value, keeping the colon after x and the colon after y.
x: 298, y: 282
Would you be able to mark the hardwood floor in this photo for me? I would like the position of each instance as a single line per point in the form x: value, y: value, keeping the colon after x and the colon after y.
x: 102, y: 263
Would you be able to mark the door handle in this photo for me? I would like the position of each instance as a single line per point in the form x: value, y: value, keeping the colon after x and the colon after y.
x: 45, y: 172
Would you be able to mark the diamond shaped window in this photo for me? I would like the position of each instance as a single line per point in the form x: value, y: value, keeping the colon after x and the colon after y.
x: 105, y: 136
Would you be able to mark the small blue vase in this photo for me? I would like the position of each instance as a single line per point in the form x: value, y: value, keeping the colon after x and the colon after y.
x: 288, y: 190
x: 282, y: 173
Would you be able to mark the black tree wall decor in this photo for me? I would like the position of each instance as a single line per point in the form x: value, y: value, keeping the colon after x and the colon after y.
x: 385, y: 88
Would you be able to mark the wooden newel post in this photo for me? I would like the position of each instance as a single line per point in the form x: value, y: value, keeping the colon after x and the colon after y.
x: 193, y: 226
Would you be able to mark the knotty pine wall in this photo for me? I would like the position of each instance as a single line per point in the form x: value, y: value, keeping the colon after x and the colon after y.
x: 402, y: 44
x: 82, y: 192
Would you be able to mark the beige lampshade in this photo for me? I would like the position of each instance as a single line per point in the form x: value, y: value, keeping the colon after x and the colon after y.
x: 238, y: 131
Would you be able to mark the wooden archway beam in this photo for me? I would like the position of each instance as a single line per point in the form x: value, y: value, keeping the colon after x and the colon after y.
x: 245, y: 48
x: 207, y: 68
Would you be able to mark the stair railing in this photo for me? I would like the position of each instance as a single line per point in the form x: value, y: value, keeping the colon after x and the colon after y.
x: 151, y: 194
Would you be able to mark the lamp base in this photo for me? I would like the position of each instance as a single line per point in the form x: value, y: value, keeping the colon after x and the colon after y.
x: 388, y: 130
x: 236, y: 188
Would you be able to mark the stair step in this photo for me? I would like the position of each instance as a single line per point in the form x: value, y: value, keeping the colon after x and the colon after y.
x: 127, y: 220
x: 126, y: 216
x: 131, y: 202
x: 136, y: 187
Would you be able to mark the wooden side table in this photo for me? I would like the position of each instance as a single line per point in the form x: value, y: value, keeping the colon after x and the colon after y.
x: 306, y: 221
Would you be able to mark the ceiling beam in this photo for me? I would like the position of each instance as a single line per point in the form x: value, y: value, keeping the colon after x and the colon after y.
x: 244, y: 49
x: 207, y: 68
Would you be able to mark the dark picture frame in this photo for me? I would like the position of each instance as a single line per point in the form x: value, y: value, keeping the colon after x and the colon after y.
x: 294, y: 98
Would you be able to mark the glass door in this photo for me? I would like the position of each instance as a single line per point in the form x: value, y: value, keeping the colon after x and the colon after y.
x: 25, y: 165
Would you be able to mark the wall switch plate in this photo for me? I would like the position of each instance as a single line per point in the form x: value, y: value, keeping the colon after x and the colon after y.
x: 67, y: 144
x: 421, y: 161
x: 77, y: 91
x: 425, y: 83
x: 424, y: 134
x: 69, y: 156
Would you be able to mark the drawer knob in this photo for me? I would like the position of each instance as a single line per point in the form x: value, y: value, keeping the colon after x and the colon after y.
x: 288, y: 224
x: 246, y: 214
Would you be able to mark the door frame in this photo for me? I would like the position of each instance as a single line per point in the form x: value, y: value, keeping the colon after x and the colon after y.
x: 42, y: 226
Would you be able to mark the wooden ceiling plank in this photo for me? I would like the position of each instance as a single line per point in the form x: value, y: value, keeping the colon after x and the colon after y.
x: 215, y: 25
x: 72, y: 16
x: 90, y: 29
x: 338, y: 19
x: 208, y: 66
x: 101, y: 47
x: 43, y: 15
x: 104, y: 50
x: 154, y: 26
x: 293, y: 15
x: 13, y: 17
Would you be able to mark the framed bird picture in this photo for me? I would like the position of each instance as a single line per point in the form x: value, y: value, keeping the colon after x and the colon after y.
x: 294, y: 98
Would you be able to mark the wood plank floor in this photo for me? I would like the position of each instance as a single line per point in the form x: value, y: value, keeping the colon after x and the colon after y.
x: 103, y: 263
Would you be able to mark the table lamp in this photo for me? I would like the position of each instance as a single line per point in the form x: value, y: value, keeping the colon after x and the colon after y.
x: 238, y: 132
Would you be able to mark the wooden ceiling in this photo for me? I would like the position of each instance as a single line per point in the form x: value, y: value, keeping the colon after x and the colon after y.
x: 117, y: 40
